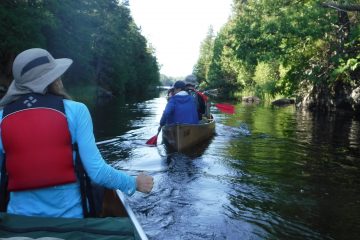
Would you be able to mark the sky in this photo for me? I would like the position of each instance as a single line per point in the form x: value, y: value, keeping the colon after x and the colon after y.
x: 176, y: 28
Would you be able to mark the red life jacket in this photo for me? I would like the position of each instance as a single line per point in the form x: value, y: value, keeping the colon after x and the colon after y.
x: 37, y: 143
x: 203, y: 96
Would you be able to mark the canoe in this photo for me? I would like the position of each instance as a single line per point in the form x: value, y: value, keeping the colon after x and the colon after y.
x: 123, y: 226
x: 183, y: 136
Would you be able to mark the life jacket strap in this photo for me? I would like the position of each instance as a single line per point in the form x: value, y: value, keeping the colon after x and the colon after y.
x: 86, y: 191
x: 4, y: 194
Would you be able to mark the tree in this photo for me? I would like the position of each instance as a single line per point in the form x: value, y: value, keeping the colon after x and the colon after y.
x: 21, y: 24
x: 201, y: 68
x: 99, y: 35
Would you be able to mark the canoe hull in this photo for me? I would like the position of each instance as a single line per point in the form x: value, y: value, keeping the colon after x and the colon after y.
x: 183, y: 136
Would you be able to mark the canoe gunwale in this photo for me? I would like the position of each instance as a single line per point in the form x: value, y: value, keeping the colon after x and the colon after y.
x: 140, y: 231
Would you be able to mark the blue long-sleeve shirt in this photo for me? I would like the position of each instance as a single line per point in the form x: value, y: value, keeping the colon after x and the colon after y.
x: 65, y: 200
x: 181, y: 108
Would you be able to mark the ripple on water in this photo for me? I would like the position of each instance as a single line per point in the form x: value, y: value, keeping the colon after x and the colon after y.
x: 275, y: 174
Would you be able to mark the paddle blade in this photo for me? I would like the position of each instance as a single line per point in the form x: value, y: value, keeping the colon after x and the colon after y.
x: 225, y: 108
x: 152, y: 141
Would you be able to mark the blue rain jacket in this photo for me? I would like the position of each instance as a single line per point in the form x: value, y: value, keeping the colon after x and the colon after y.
x: 181, y: 108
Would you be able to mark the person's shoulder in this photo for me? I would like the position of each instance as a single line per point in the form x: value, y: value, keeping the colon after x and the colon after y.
x: 74, y: 105
x: 177, y: 97
x: 181, y: 94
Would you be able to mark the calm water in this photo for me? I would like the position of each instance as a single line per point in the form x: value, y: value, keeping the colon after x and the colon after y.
x: 268, y: 173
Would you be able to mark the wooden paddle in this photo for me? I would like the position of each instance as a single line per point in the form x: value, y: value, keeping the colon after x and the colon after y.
x: 153, y: 140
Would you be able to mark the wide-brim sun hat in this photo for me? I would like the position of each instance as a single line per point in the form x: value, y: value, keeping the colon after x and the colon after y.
x: 191, y: 80
x: 34, y: 70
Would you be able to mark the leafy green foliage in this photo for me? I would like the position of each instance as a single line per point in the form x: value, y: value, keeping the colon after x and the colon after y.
x: 16, y: 32
x: 99, y: 35
x: 202, y: 66
x: 265, y: 77
x: 271, y: 47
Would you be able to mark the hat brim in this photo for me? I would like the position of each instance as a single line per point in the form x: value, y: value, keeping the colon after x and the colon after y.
x: 38, y: 85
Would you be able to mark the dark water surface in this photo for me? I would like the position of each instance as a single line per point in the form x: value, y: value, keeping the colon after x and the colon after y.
x: 268, y: 173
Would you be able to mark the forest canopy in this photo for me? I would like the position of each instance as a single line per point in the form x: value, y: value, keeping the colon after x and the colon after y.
x: 107, y: 47
x: 301, y: 49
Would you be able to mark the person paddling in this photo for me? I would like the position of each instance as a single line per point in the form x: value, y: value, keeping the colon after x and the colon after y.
x: 200, y: 98
x: 40, y: 127
x: 181, y: 107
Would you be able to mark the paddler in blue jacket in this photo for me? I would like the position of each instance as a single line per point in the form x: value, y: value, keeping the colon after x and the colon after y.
x: 181, y: 108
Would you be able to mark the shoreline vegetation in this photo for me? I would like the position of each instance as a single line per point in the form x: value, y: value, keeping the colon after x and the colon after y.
x: 109, y: 52
x: 306, y: 52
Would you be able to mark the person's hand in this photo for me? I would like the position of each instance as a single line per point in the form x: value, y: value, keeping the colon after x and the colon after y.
x: 144, y: 183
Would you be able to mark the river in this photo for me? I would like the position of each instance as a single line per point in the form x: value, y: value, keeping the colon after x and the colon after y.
x: 268, y: 173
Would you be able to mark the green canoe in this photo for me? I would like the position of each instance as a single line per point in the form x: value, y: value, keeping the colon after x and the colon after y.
x: 124, y: 227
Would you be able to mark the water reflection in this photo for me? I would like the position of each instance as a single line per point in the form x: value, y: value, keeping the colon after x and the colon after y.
x: 293, y: 169
x: 116, y: 116
x: 268, y: 173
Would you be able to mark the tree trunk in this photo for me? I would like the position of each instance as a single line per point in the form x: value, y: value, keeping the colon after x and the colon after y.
x: 344, y: 29
x: 342, y: 7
